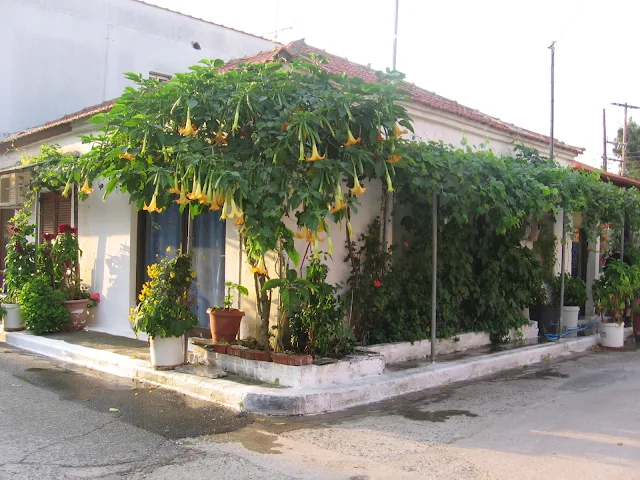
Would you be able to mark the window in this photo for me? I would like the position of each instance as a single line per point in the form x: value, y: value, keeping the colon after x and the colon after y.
x: 55, y: 210
x: 161, y: 77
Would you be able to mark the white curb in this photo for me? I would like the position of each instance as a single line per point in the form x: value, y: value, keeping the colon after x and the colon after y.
x: 272, y: 400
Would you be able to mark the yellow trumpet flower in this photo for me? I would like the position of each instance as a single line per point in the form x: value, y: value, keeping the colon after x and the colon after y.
x: 239, y: 221
x: 217, y: 200
x: 302, y: 233
x: 86, y: 188
x: 397, y: 132
x: 389, y: 184
x: 196, y: 193
x: 127, y: 156
x: 357, y: 188
x: 204, y: 199
x: 339, y: 205
x: 394, y: 158
x: 175, y: 189
x: 315, y: 156
x: 350, y: 140
x: 221, y: 138
x: 152, y: 207
x: 260, y: 269
x: 188, y: 129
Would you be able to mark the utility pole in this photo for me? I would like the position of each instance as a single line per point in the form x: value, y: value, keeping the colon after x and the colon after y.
x: 604, y: 140
x: 553, y: 56
x: 395, y: 36
x: 624, y: 136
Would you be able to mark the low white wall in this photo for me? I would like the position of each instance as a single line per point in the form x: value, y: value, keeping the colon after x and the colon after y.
x: 404, y: 351
x: 107, y: 238
x: 345, y: 370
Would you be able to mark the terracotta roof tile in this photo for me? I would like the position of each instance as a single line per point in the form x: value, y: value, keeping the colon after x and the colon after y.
x: 614, y: 177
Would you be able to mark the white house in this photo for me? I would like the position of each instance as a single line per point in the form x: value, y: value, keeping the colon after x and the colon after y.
x: 59, y: 56
x: 117, y: 241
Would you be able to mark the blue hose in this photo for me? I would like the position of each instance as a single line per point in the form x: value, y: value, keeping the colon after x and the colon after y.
x: 567, y: 331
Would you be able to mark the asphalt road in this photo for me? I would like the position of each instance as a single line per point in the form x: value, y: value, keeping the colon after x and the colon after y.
x: 578, y: 419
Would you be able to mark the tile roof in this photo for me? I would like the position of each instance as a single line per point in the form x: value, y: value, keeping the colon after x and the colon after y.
x: 614, y: 177
x: 79, y: 115
x: 339, y: 65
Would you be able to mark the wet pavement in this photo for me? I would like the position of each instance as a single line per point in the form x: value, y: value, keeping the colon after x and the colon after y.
x: 559, y: 420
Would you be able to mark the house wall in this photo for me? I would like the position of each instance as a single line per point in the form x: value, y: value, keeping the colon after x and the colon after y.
x: 60, y: 56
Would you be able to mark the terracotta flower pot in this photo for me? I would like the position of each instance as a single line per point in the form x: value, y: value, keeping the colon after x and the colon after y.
x: 78, y: 313
x: 225, y: 324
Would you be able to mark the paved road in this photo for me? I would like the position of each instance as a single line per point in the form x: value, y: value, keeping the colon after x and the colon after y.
x: 579, y: 419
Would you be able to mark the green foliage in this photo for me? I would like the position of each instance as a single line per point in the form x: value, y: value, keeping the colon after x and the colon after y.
x: 41, y: 306
x: 318, y: 327
x: 164, y: 308
x: 228, y: 299
x: 575, y: 291
x: 615, y: 289
x: 20, y: 262
x: 632, y: 148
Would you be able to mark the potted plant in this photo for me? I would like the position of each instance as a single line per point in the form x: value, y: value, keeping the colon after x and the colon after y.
x: 164, y: 312
x: 612, y: 293
x: 225, y: 321
x: 20, y: 267
x: 541, y: 311
x: 575, y: 295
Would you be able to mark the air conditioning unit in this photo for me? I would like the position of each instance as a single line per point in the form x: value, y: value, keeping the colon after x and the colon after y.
x: 13, y: 188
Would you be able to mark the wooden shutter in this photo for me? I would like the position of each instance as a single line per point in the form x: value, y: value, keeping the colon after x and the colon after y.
x: 55, y: 210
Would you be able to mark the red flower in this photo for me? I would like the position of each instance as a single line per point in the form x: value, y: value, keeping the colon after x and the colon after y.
x: 66, y: 228
x: 406, y: 244
x: 377, y: 283
x: 18, y: 247
x: 95, y: 297
x: 49, y: 236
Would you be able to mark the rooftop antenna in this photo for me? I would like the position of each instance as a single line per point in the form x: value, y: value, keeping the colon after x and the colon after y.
x: 278, y: 30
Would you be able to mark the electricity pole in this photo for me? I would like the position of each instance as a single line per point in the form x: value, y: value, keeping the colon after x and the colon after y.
x: 553, y: 56
x: 624, y: 135
x: 604, y: 140
x: 395, y: 35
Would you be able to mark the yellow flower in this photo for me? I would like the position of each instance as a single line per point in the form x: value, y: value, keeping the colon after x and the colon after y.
x: 193, y: 274
x: 175, y: 188
x: 339, y: 205
x: 204, y: 199
x: 302, y: 233
x: 394, y: 158
x: 350, y: 140
x: 126, y: 156
x: 260, y: 269
x: 315, y: 155
x: 357, y: 188
x: 168, y: 248
x: 239, y: 221
x: 188, y: 128
x: 182, y: 200
x: 152, y: 207
x: 397, y: 132
x: 221, y: 137
x: 86, y: 188
x: 172, y: 275
x: 217, y: 201
x: 196, y: 193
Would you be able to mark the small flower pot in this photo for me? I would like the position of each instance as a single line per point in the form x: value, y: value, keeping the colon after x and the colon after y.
x: 224, y: 324
x: 78, y: 313
x: 167, y: 353
x: 12, y: 321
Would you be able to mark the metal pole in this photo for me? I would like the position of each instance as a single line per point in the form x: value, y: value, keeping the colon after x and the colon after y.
x: 622, y: 242
x: 434, y: 273
x: 395, y: 36
x: 604, y: 140
x: 562, y: 270
x: 553, y: 54
x: 624, y: 143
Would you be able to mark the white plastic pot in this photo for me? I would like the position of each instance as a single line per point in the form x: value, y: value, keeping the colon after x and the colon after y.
x: 167, y: 353
x: 12, y: 321
x: 570, y: 318
x: 612, y: 335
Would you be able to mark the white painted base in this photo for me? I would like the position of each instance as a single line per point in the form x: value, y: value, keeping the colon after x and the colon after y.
x: 404, y: 351
x: 12, y: 321
x: 612, y: 335
x: 167, y: 352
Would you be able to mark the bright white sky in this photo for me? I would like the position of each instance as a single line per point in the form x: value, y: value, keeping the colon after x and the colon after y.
x: 490, y: 55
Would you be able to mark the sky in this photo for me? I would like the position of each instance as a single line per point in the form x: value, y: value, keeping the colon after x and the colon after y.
x: 490, y: 55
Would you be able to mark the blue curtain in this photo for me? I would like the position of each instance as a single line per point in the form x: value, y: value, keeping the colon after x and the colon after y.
x: 164, y: 230
x: 207, y: 249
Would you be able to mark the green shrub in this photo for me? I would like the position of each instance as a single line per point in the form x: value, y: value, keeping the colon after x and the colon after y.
x: 575, y: 291
x: 42, y: 307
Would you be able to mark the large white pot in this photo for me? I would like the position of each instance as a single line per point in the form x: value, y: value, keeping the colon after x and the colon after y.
x: 12, y: 321
x: 612, y: 335
x: 570, y: 318
x: 167, y: 353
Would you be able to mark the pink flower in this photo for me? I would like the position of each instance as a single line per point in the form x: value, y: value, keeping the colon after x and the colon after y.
x: 95, y: 297
x: 406, y: 244
x: 377, y: 283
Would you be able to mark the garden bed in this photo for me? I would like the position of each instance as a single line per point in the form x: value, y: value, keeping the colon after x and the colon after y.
x: 403, y: 351
x: 322, y: 372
